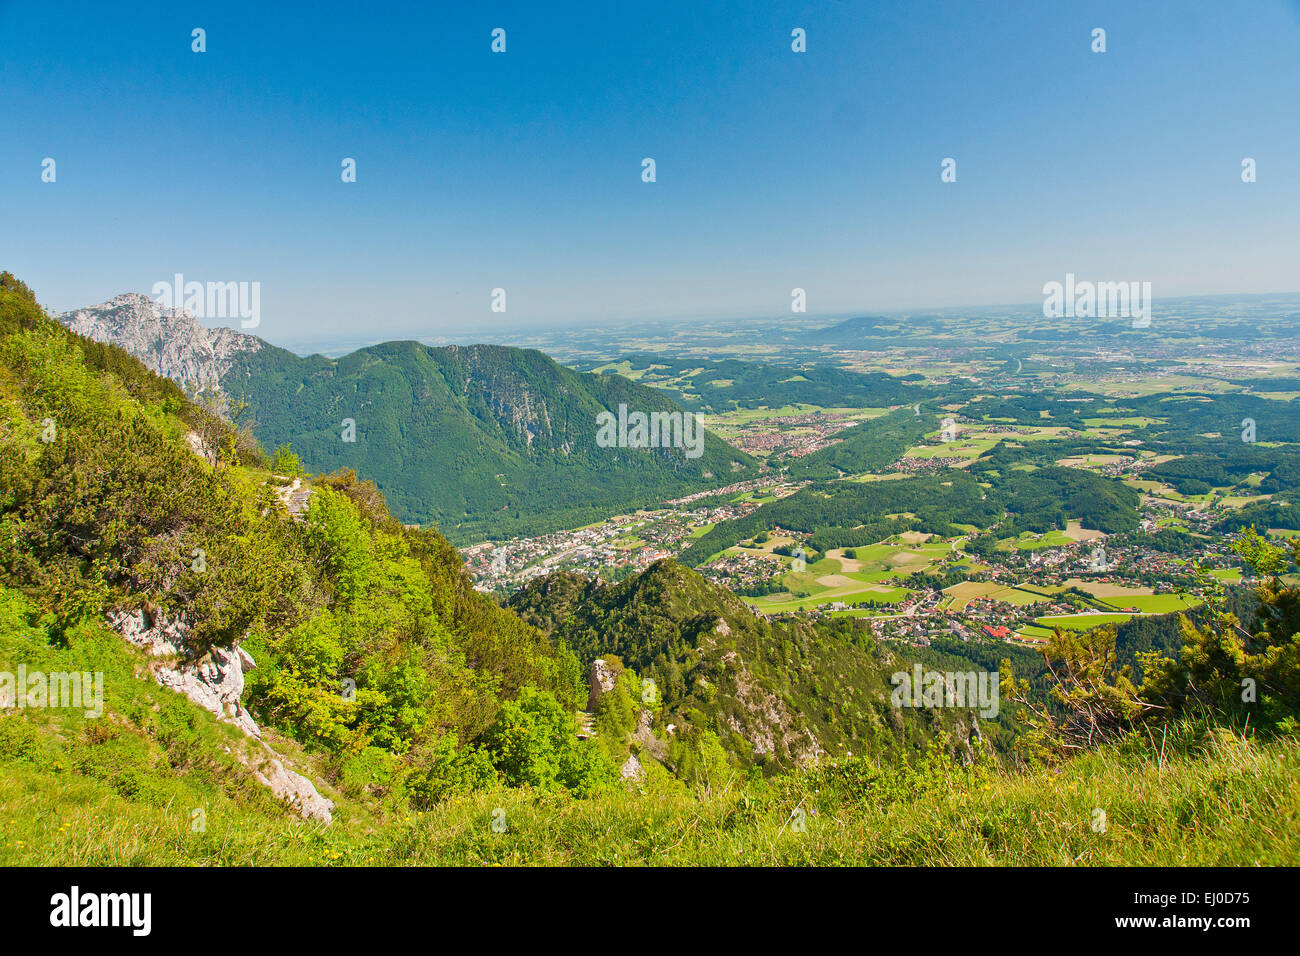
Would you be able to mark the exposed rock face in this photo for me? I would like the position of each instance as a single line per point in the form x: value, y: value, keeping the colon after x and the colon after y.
x: 171, y: 342
x: 215, y: 682
x: 293, y: 788
x: 632, y: 769
x: 766, y: 721
x: 644, y: 737
x: 966, y: 749
x: 600, y: 681
x: 296, y: 497
x: 509, y: 394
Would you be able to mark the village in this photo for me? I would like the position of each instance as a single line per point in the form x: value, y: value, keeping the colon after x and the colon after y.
x: 1002, y: 596
x: 619, y: 546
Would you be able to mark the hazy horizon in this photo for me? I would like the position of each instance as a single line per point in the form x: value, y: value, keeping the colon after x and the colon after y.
x: 334, y: 346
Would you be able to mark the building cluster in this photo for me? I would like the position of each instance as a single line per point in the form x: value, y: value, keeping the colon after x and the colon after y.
x: 620, y: 545
x: 795, y: 435
x: 929, y: 466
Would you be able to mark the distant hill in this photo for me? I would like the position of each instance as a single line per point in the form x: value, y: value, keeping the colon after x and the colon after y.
x: 485, y: 441
x: 722, y: 385
x: 876, y: 327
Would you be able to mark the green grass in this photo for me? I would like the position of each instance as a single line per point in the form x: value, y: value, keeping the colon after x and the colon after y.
x: 1032, y: 630
x: 1031, y: 542
x: 1019, y: 597
x: 968, y: 448
x: 875, y: 577
x: 784, y: 603
x: 1081, y: 622
x: 1224, y: 803
x: 803, y: 583
x: 1154, y: 603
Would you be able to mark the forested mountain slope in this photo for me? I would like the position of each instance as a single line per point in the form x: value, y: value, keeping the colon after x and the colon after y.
x: 371, y: 648
x: 774, y: 693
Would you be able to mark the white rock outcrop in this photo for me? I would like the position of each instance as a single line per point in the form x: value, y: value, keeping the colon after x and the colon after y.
x: 645, y: 738
x: 215, y: 682
x: 600, y: 681
x: 293, y: 788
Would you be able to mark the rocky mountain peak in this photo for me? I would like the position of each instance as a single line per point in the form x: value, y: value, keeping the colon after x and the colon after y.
x: 171, y: 342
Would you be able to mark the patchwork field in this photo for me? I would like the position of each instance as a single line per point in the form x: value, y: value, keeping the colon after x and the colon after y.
x: 858, y: 594
x: 959, y: 595
x: 967, y: 448
x: 871, y: 577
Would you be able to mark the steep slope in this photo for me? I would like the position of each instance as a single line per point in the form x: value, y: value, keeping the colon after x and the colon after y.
x: 364, y: 641
x: 777, y: 694
x: 482, y: 440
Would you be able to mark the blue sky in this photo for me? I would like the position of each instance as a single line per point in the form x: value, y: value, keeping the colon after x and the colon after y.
x: 522, y: 170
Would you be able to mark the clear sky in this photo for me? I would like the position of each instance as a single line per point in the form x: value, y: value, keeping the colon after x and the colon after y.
x: 522, y: 170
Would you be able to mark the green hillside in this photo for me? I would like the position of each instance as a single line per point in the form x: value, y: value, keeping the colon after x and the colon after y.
x: 775, y: 694
x: 374, y: 654
x: 845, y: 514
x: 869, y: 446
x: 483, y: 440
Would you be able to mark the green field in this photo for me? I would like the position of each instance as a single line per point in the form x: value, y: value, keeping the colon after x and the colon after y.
x: 1031, y: 542
x: 1154, y: 603
x: 767, y: 605
x: 968, y: 448
x: 1081, y: 622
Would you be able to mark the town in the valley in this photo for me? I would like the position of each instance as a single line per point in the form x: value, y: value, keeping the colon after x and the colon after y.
x: 913, y: 586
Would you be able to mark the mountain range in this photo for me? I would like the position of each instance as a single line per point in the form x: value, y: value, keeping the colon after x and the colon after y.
x: 257, y: 664
x: 450, y: 691
x: 483, y: 440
